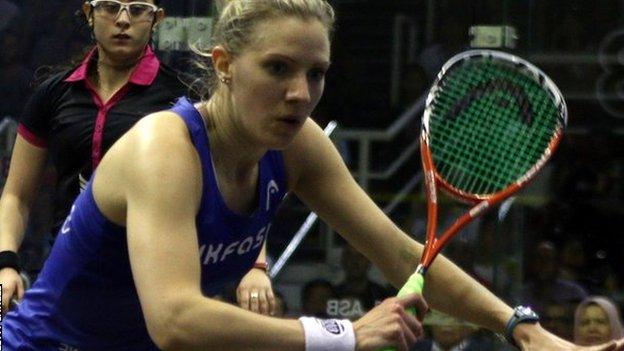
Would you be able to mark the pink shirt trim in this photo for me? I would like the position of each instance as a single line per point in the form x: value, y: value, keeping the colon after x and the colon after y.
x: 30, y: 136
x: 144, y: 74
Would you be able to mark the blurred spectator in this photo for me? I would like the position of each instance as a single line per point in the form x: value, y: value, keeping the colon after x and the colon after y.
x: 357, y: 294
x: 612, y: 287
x: 15, y: 76
x: 557, y: 317
x: 544, y: 283
x: 573, y: 260
x: 52, y: 46
x: 315, y: 296
x: 492, y: 265
x: 8, y: 11
x: 446, y: 333
x: 281, y: 307
x: 597, y: 320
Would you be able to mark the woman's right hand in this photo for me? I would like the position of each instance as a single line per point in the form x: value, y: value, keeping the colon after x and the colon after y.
x: 390, y: 325
x: 12, y: 287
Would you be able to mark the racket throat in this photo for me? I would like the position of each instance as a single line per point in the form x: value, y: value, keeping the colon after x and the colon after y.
x: 431, y: 250
x: 421, y: 269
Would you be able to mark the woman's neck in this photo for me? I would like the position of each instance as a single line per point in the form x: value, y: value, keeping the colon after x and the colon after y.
x: 234, y: 154
x: 110, y: 74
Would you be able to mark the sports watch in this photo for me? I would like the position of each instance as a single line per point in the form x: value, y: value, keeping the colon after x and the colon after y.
x: 522, y: 314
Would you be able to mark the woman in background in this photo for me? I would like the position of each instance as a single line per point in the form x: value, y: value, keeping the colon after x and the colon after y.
x: 597, y: 320
x: 75, y: 116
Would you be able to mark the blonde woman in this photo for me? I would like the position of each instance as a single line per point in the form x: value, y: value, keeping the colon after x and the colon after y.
x: 181, y: 205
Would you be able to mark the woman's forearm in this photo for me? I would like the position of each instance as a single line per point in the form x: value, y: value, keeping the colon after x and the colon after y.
x: 447, y: 288
x: 25, y: 174
x: 452, y: 291
x: 13, y: 219
x: 206, y: 324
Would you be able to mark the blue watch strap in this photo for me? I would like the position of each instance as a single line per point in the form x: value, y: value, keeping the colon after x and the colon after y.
x: 522, y: 314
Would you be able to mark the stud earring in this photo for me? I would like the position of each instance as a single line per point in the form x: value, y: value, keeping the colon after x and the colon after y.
x: 225, y: 80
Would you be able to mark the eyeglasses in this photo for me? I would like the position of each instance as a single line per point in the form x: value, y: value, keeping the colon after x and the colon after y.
x: 112, y: 9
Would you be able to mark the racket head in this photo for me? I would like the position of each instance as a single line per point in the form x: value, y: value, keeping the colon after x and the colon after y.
x: 491, y: 121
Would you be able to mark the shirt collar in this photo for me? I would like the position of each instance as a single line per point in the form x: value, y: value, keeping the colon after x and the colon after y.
x: 144, y: 73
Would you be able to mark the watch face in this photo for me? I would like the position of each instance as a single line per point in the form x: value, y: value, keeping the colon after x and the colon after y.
x: 522, y: 314
x: 526, y: 312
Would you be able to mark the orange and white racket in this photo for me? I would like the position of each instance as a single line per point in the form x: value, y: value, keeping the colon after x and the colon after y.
x: 491, y: 122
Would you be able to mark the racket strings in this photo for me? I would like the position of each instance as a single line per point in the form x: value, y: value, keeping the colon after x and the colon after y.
x: 506, y: 135
x: 489, y: 125
x: 481, y: 176
x: 477, y: 177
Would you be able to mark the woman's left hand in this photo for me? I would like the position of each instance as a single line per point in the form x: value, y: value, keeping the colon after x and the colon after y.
x: 255, y: 292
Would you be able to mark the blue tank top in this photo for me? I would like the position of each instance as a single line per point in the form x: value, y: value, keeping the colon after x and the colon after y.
x: 85, y: 298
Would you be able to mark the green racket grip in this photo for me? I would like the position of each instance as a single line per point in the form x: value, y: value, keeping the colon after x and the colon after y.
x: 414, y: 285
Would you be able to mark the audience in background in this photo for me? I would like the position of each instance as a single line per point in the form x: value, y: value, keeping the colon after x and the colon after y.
x: 544, y: 284
x: 8, y: 11
x: 281, y: 307
x: 558, y: 317
x: 597, y: 320
x: 357, y: 294
x: 445, y: 333
x: 15, y: 74
x: 573, y: 261
x: 315, y: 298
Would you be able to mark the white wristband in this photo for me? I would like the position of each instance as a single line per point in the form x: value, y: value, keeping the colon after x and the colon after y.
x: 328, y: 334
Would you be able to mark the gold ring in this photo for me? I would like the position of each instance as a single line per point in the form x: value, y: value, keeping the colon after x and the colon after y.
x: 254, y: 295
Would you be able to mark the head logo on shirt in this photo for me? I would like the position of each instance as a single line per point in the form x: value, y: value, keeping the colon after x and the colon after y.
x: 67, y: 224
x: 272, y: 188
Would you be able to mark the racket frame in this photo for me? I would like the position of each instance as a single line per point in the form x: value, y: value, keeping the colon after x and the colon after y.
x: 480, y: 202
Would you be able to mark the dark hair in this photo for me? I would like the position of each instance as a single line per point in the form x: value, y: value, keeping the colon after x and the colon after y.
x: 79, y: 28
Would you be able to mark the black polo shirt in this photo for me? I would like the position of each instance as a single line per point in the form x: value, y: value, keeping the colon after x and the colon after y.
x: 66, y: 116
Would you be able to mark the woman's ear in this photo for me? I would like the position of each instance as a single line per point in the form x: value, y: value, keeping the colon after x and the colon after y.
x: 158, y: 17
x: 221, y: 60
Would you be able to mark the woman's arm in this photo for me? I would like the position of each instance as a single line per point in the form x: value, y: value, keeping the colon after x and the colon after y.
x: 25, y: 173
x: 27, y: 166
x: 153, y: 177
x: 321, y: 180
